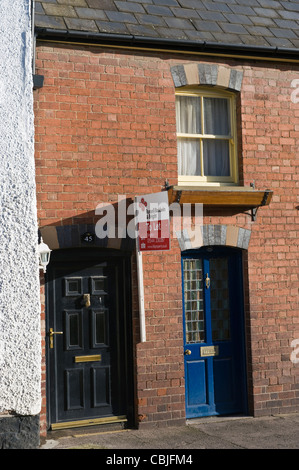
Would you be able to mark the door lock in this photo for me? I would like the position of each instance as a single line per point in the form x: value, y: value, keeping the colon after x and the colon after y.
x: 51, y: 335
x: 86, y: 300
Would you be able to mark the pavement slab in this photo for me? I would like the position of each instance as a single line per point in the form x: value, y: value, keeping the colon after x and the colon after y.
x: 275, y: 432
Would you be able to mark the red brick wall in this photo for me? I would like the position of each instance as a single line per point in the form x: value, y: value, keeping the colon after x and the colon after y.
x: 105, y: 125
x: 270, y: 145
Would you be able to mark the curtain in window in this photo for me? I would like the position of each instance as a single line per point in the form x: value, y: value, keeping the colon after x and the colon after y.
x: 188, y: 112
x: 216, y: 157
x: 189, y: 157
x: 216, y: 121
x: 216, y: 116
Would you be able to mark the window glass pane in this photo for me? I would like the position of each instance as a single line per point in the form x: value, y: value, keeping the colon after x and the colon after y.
x: 216, y: 116
x: 220, y: 309
x: 188, y: 112
x: 189, y: 157
x: 193, y: 298
x: 216, y: 157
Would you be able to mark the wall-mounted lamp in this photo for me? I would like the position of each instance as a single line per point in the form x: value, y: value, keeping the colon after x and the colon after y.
x: 44, y: 253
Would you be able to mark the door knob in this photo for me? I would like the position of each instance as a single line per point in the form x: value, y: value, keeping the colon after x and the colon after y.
x: 51, y: 334
x: 187, y: 352
x: 86, y: 300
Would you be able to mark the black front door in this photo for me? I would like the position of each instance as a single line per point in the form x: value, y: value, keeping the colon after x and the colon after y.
x: 88, y: 338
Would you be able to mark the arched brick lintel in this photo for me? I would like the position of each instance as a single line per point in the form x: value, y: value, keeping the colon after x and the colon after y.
x: 215, y: 235
x: 207, y: 74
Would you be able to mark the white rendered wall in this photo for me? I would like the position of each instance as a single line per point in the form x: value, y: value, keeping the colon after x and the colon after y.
x: 20, y: 350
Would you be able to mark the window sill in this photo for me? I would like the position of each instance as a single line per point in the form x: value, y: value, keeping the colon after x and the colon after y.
x: 239, y: 196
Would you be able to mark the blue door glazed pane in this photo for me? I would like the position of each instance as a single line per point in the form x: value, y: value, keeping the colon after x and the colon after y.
x: 193, y: 297
x: 220, y: 307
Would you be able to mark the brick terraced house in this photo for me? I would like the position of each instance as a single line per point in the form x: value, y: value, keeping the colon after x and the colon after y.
x: 199, y: 101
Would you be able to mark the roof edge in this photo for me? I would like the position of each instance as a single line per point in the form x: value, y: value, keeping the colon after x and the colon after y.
x: 139, y: 42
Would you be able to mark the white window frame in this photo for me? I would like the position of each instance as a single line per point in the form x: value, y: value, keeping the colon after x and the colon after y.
x: 186, y: 180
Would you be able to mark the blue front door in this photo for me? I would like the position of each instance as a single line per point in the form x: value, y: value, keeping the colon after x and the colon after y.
x: 213, y: 332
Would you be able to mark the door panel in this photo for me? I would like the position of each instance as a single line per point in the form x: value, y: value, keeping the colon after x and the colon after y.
x: 88, y: 358
x: 197, y: 374
x: 213, y: 333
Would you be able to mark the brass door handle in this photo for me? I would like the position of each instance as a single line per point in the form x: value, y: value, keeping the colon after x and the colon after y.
x: 51, y: 334
x: 86, y: 300
x: 187, y: 352
x: 207, y: 281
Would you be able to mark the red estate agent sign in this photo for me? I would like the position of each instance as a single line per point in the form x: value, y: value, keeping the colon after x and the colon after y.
x: 153, y: 222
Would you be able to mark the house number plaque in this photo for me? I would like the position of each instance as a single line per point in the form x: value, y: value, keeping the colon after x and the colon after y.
x: 206, y: 351
x: 88, y: 237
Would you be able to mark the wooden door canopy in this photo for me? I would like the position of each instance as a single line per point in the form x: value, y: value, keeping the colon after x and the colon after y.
x: 246, y: 197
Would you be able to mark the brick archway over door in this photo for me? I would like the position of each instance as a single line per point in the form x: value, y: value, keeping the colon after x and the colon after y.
x: 211, y: 235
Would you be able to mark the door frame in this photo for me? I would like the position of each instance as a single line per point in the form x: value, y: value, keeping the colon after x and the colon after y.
x: 96, y: 255
x: 210, y: 252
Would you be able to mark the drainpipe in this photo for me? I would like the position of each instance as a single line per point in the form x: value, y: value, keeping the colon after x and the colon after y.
x: 38, y: 80
x: 33, y: 35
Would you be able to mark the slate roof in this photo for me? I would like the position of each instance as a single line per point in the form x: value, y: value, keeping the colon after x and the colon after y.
x: 267, y: 23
